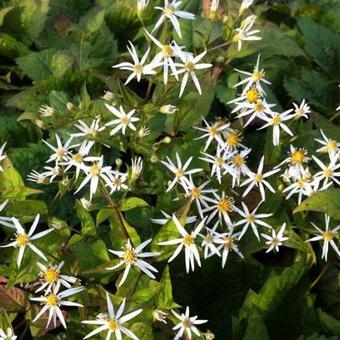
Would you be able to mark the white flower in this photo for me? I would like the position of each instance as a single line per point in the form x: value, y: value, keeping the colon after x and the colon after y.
x: 180, y: 171
x: 327, y: 236
x: 124, y: 119
x: 131, y: 257
x: 136, y: 168
x: 188, y: 242
x: 258, y: 180
x: 168, y: 109
x: 88, y: 131
x: 114, y: 323
x: 275, y: 240
x: 328, y: 173
x: 251, y: 219
x: 244, y: 33
x: 171, y: 12
x: 276, y: 120
x: 23, y: 240
x: 214, y: 6
x: 141, y: 5
x: 116, y: 182
x: 219, y: 162
x: 197, y: 194
x: 164, y: 57
x: 187, y: 325
x: 53, y: 302
x: 209, y: 241
x: 61, y: 151
x: 93, y: 174
x: 6, y: 221
x: 163, y: 221
x: 51, y: 172
x: 189, y: 66
x: 254, y: 78
x: 159, y: 315
x: 212, y: 132
x: 2, y: 156
x: 46, y: 111
x: 328, y: 145
x: 137, y: 68
x: 37, y: 177
x: 9, y: 335
x: 51, y: 279
x: 302, y: 110
x: 108, y: 96
x: 227, y: 242
x: 233, y: 140
x: 237, y: 166
x: 245, y: 5
x: 85, y: 203
x: 222, y: 205
x: 143, y: 131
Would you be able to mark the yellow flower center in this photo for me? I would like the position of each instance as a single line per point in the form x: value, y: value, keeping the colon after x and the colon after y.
x: 250, y: 218
x: 218, y: 161
x: 225, y: 205
x: 298, y: 156
x: 60, y: 152
x: 186, y: 323
x: 277, y: 120
x: 167, y: 51
x: 125, y: 120
x: 238, y: 161
x: 259, y: 107
x: 77, y: 158
x: 228, y: 242
x: 258, y: 75
x: 188, y: 240
x: 138, y: 68
x: 300, y: 183
x: 331, y: 146
x: 129, y: 256
x: 208, y: 239
x: 52, y: 300
x: 252, y: 95
x: 22, y: 240
x: 196, y: 192
x: 113, y: 325
x: 328, y: 235
x: 258, y: 178
x: 169, y: 10
x: 189, y: 66
x: 95, y: 170
x: 179, y: 173
x: 212, y: 131
x: 233, y: 139
x: 51, y: 275
x: 275, y: 241
x: 328, y: 172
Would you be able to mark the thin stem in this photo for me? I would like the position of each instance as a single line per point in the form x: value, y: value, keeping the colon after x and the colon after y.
x: 219, y: 46
x: 322, y: 273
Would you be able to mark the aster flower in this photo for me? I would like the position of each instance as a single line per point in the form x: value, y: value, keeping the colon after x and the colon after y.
x: 94, y: 173
x: 108, y: 96
x: 113, y: 324
x: 328, y: 173
x: 328, y: 145
x: 258, y: 180
x: 251, y: 219
x: 209, y: 241
x: 233, y: 140
x: 9, y: 335
x: 276, y: 120
x: 244, y: 32
x: 51, y: 172
x: 2, y: 155
x: 117, y: 182
x: 60, y: 151
x: 23, y: 240
x: 53, y: 303
x: 328, y: 235
x: 124, y: 120
x: 168, y: 109
x: 51, y: 279
x: 37, y: 177
x: 211, y: 132
x: 188, y: 242
x: 228, y: 243
x: 132, y: 257
x: 180, y: 171
x: 171, y: 12
x: 91, y: 130
x: 301, y: 110
x: 137, y: 68
x: 189, y: 66
x: 46, y: 111
x: 237, y: 166
x: 136, y: 167
x: 187, y: 324
x: 275, y: 240
x: 159, y: 315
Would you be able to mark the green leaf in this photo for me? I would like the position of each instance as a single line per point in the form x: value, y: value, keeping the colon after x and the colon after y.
x: 88, y: 227
x: 99, y: 250
x: 13, y: 299
x: 27, y: 209
x: 11, y: 48
x: 256, y: 328
x: 327, y: 201
x: 132, y: 202
x: 165, y: 299
x: 329, y: 324
x: 322, y: 123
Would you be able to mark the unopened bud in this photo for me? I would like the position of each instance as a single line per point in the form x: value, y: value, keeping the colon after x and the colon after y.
x: 167, y: 140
